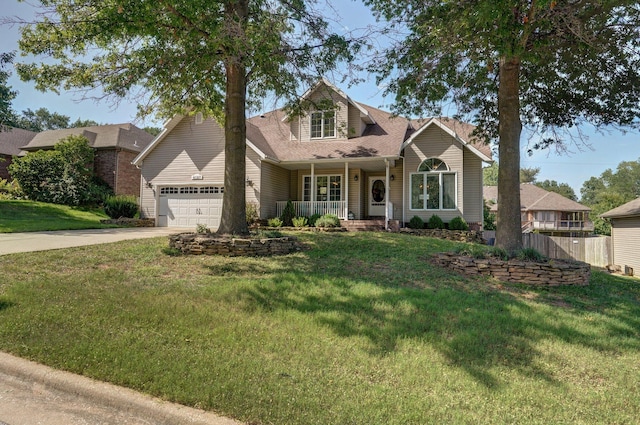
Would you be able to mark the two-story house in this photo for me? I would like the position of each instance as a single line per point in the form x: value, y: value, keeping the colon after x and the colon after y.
x: 350, y: 159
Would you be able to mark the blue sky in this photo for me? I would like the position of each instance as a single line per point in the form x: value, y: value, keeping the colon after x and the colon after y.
x: 582, y: 162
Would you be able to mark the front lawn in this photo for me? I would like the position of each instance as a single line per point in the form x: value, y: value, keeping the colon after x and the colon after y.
x: 29, y: 216
x: 361, y: 329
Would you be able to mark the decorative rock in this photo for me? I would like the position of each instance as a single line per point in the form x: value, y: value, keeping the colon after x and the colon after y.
x: 213, y: 244
x: 550, y: 273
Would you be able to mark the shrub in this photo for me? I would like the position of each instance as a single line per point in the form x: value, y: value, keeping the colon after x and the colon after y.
x: 313, y: 219
x: 300, y: 222
x: 121, y: 206
x: 500, y: 253
x: 328, y: 220
x: 435, y: 222
x: 529, y: 254
x: 458, y: 223
x: 416, y: 223
x: 489, y: 218
x: 288, y: 214
x: 252, y: 212
x: 10, y: 189
x: 274, y: 222
x: 202, y: 228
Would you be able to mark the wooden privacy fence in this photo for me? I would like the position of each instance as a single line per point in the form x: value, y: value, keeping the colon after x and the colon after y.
x: 595, y: 251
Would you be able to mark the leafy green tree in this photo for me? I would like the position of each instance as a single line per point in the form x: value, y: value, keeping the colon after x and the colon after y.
x: 63, y: 175
x: 610, y: 190
x: 490, y: 175
x: 211, y: 56
x: 546, y: 64
x: 562, y: 188
x: 7, y: 116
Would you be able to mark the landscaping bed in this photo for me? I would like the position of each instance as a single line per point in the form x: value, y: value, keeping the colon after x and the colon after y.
x: 214, y: 244
x: 543, y: 273
x: 470, y: 236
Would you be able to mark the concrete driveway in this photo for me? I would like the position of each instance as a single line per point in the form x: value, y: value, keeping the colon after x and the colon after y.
x: 11, y: 243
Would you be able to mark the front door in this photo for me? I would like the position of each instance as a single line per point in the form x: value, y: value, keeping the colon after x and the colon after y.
x: 377, y: 196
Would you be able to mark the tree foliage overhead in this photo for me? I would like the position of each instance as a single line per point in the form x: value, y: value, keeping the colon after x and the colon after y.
x: 490, y: 174
x: 546, y: 64
x: 208, y: 55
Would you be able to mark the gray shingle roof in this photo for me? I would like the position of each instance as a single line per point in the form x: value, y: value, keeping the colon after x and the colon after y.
x: 13, y: 139
x: 125, y: 136
x: 534, y: 198
x: 629, y: 209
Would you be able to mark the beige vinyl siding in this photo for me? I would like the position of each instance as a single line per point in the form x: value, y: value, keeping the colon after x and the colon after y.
x: 253, y: 190
x: 395, y: 190
x: 435, y: 143
x: 472, y: 188
x: 342, y: 111
x: 294, y: 125
x: 355, y: 193
x: 355, y: 125
x: 625, y: 235
x: 276, y: 187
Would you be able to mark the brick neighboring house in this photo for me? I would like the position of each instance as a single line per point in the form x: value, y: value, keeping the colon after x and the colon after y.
x: 545, y: 212
x: 11, y: 142
x: 116, y: 145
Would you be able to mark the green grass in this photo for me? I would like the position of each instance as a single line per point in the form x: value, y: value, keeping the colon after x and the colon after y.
x: 29, y: 216
x: 361, y: 329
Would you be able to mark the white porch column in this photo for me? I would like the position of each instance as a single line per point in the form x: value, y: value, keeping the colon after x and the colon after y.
x: 386, y: 195
x: 313, y: 189
x: 346, y: 190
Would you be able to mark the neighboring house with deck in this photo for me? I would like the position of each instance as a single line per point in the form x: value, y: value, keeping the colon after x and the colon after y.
x: 115, y: 146
x: 625, y: 236
x: 355, y: 161
x: 11, y: 142
x: 546, y: 212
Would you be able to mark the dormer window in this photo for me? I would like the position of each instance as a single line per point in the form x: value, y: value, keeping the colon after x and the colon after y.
x: 323, y: 124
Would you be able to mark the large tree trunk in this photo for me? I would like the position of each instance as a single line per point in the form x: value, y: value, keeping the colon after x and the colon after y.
x: 233, y: 220
x: 509, y: 227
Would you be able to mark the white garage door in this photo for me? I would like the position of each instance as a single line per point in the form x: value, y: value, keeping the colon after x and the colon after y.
x: 190, y: 206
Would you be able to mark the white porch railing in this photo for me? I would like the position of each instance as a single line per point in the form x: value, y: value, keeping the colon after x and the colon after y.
x: 563, y: 225
x: 309, y: 208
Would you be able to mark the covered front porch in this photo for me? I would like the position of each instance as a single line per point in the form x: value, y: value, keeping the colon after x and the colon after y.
x: 363, y: 189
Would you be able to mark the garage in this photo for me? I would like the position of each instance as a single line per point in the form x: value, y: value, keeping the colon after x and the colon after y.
x: 189, y: 206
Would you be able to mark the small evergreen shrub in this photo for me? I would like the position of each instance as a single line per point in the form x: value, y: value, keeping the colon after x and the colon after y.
x: 118, y: 206
x: 458, y: 223
x: 300, y: 222
x: 435, y: 222
x: 288, y: 214
x: 274, y: 222
x: 252, y: 212
x: 328, y: 220
x: 313, y: 219
x: 202, y: 228
x: 416, y: 223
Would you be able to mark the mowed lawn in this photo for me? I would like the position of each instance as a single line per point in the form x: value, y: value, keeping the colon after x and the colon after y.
x: 359, y: 329
x: 30, y: 216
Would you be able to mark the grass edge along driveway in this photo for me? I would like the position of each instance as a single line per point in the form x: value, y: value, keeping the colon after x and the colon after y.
x: 360, y: 329
x: 30, y: 216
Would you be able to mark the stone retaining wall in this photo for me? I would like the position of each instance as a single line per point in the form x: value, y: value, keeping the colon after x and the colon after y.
x: 549, y: 273
x: 211, y: 244
x: 451, y: 235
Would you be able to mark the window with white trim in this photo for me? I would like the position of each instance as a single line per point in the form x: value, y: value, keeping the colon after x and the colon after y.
x: 328, y: 188
x: 433, y: 187
x: 323, y: 124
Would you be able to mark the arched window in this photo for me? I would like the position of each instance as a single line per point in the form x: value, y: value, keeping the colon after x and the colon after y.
x: 433, y: 187
x: 433, y: 164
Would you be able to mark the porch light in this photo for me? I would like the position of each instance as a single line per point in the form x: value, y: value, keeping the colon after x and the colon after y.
x: 249, y: 182
x: 392, y: 177
x: 355, y: 178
